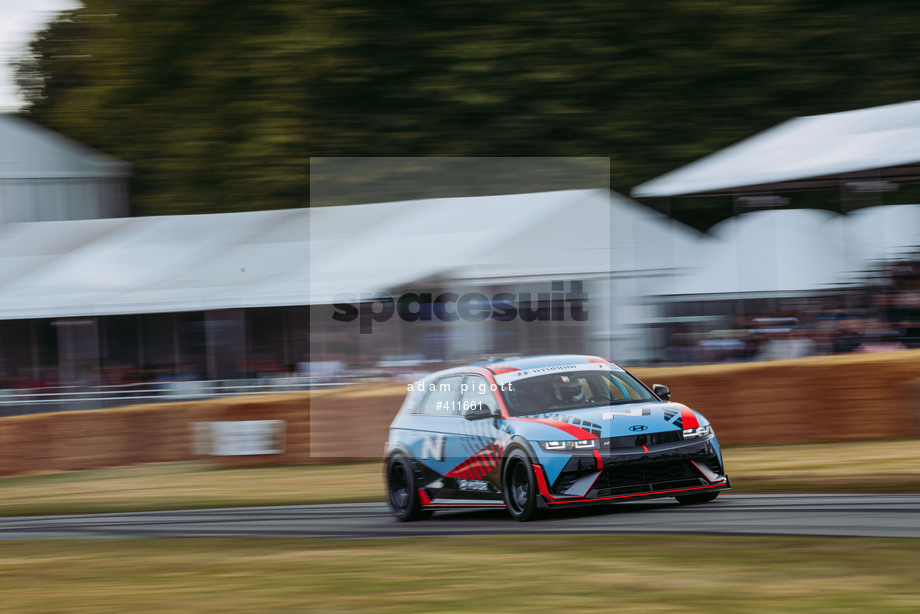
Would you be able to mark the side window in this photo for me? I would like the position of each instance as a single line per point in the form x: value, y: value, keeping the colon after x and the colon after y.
x: 620, y: 389
x: 444, y: 399
x: 476, y: 394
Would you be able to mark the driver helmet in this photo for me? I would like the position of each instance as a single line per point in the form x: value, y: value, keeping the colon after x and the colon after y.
x: 568, y: 389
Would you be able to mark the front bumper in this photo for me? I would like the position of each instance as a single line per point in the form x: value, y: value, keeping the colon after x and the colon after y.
x: 666, y: 469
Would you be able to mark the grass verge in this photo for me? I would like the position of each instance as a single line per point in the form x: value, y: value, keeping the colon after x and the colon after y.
x: 647, y: 574
x: 891, y: 466
x: 188, y: 486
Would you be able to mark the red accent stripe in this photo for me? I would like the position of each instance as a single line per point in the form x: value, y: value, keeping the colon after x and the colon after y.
x: 541, y: 479
x: 688, y: 418
x: 436, y: 504
x: 496, y: 454
x: 645, y: 448
x: 600, y: 461
x: 571, y: 429
x: 423, y: 497
x: 476, y: 466
x: 641, y: 494
x: 543, y: 488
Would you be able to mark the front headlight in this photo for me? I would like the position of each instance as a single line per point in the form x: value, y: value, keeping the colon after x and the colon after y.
x: 702, y: 431
x: 568, y: 446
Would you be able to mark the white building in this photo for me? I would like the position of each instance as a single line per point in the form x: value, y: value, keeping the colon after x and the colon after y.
x: 45, y: 176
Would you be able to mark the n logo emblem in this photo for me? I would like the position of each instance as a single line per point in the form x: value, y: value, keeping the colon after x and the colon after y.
x: 433, y: 447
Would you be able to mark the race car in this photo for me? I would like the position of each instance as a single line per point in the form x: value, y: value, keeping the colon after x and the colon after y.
x: 543, y: 432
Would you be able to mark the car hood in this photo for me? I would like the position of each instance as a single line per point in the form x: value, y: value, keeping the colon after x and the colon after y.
x: 609, y: 421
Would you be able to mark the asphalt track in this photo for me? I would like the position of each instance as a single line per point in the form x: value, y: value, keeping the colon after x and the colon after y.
x: 811, y: 515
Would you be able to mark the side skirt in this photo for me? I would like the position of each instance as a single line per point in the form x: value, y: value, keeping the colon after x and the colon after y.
x: 433, y: 504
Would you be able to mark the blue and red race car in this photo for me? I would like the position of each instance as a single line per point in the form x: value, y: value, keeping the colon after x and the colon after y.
x: 536, y: 433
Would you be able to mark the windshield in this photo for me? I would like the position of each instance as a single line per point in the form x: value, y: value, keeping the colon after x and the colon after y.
x: 571, y: 390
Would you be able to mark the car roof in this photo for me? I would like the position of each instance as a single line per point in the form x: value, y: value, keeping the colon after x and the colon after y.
x: 533, y: 362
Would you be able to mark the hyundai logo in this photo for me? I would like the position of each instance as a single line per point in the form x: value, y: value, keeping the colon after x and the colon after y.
x: 638, y: 427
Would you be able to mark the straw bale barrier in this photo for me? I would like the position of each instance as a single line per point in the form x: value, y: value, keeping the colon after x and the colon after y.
x: 819, y: 399
x: 847, y: 397
x: 155, y: 433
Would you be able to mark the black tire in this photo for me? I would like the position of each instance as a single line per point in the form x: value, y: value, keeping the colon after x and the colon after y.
x: 402, y: 492
x: 705, y: 497
x: 519, y: 487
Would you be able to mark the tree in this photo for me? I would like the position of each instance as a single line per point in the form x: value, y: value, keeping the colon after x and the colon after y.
x: 221, y: 103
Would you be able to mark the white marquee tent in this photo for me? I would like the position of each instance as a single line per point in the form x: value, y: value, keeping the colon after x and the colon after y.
x: 626, y: 252
x: 45, y: 176
x: 798, y: 250
x: 769, y: 251
x: 518, y: 237
x: 151, y: 264
x: 881, y: 233
x: 805, y: 152
x: 308, y: 256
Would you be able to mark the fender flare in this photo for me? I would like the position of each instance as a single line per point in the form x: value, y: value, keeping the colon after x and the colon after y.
x: 413, y: 462
x: 518, y: 442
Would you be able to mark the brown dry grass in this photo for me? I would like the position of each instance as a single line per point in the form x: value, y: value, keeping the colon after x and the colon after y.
x: 843, y: 467
x: 188, y: 485
x: 865, y: 466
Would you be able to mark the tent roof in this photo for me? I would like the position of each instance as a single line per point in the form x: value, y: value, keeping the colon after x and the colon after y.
x: 30, y: 151
x: 805, y: 152
x: 152, y: 264
x: 493, y: 238
x: 310, y: 256
x: 795, y: 250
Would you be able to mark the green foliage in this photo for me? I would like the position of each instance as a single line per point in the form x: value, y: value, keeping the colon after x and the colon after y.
x: 221, y: 103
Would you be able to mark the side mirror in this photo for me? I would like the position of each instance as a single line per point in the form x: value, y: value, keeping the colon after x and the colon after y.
x: 479, y: 411
x: 662, y: 391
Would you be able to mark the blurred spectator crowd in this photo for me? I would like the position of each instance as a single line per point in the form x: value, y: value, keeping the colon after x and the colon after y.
x: 880, y: 314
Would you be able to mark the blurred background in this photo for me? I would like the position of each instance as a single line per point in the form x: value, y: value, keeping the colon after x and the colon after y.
x: 187, y: 190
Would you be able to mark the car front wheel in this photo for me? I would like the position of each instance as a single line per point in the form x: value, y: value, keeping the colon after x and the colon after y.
x: 519, y: 486
x: 402, y: 493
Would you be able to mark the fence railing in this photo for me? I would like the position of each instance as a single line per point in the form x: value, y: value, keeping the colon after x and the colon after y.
x: 17, y: 402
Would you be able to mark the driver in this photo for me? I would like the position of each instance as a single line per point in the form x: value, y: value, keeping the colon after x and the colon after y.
x: 568, y: 390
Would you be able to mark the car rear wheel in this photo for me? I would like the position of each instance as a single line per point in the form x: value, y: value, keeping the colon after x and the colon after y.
x: 695, y: 499
x: 402, y: 493
x: 519, y: 486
